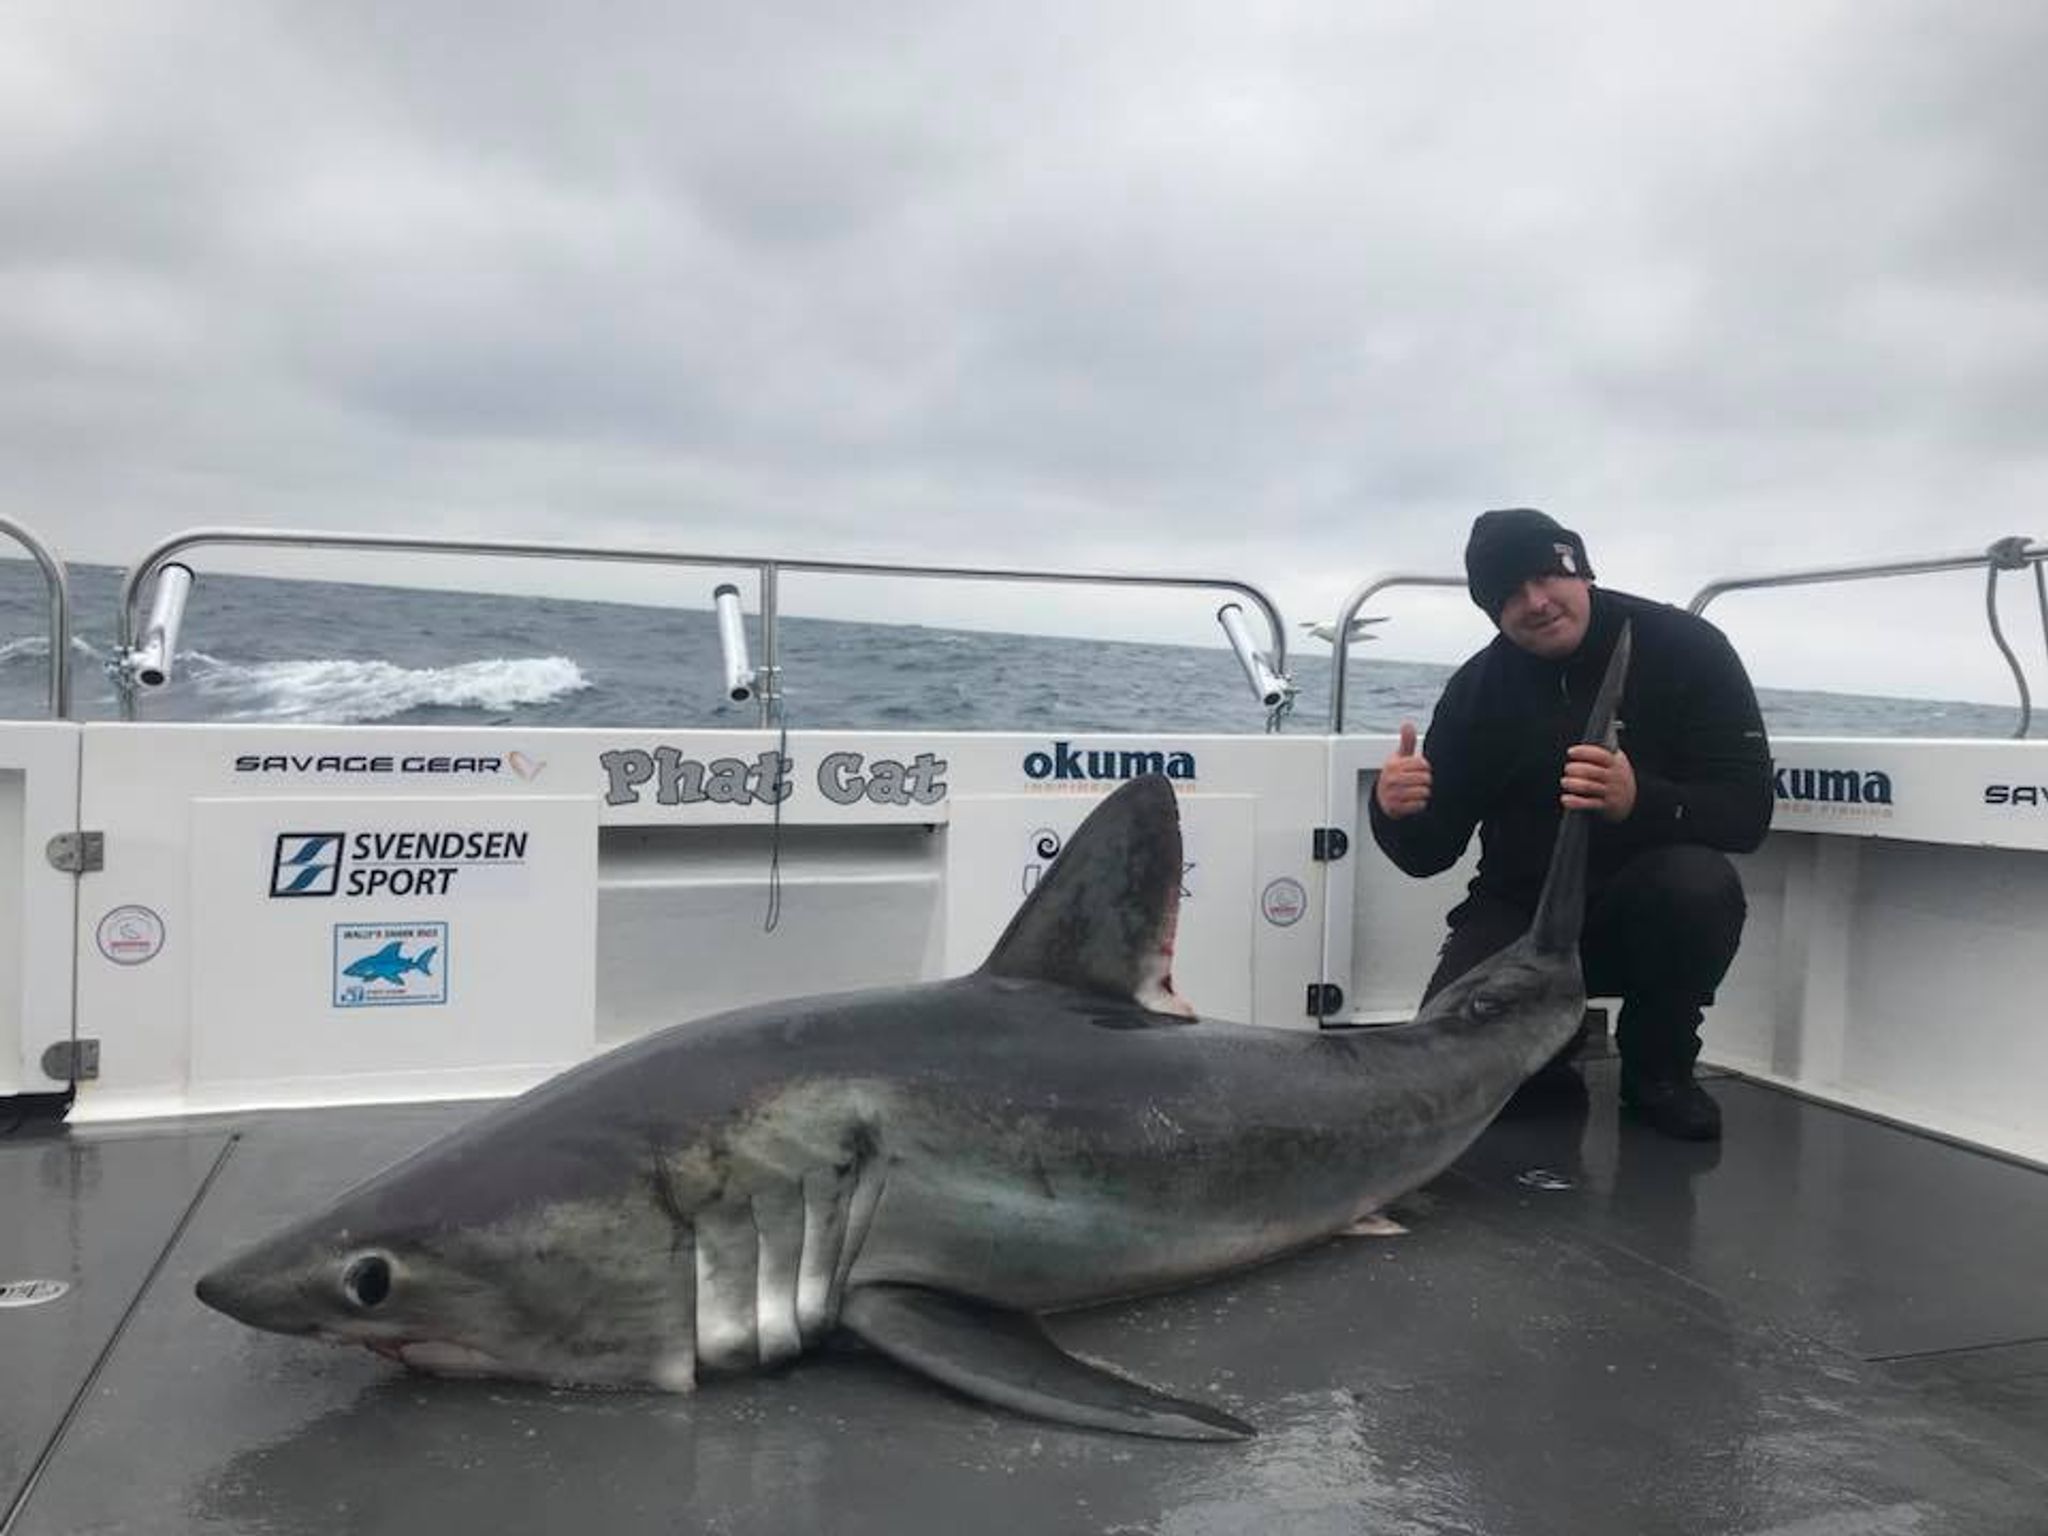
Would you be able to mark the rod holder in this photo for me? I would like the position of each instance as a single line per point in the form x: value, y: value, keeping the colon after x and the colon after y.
x: 732, y: 642
x: 1268, y: 687
x: 150, y: 662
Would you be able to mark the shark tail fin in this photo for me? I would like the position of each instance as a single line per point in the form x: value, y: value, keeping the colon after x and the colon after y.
x: 1561, y: 911
x: 1103, y: 918
x: 424, y: 962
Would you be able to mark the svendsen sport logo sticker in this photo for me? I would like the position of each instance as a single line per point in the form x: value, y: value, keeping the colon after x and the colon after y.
x: 306, y: 864
x: 405, y: 863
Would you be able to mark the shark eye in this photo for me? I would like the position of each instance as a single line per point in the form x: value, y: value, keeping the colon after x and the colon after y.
x: 1484, y: 1005
x: 367, y: 1281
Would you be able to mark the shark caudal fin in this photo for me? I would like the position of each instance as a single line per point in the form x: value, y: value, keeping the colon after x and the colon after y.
x: 1103, y: 919
x: 1562, y: 910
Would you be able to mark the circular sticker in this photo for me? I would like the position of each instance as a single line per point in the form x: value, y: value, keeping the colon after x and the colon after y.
x: 31, y: 1293
x: 131, y: 935
x: 1283, y: 902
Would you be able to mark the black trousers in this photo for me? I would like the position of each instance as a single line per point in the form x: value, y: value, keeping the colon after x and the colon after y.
x: 1659, y: 935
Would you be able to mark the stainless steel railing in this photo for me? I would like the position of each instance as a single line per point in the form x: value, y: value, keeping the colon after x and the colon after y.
x: 1340, y: 639
x: 2008, y: 554
x: 768, y: 571
x: 60, y: 615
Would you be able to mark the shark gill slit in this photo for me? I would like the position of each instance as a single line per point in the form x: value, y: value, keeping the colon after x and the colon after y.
x: 676, y: 1369
x: 727, y: 1268
x: 866, y: 1181
x: 779, y: 1225
x: 661, y: 1181
x: 825, y: 1195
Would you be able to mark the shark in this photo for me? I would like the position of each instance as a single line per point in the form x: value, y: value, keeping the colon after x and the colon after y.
x: 927, y: 1169
x: 391, y: 963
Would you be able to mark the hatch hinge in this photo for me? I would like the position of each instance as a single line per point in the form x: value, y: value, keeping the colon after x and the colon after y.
x: 1324, y: 999
x: 78, y: 853
x: 72, y: 1061
x: 1331, y: 844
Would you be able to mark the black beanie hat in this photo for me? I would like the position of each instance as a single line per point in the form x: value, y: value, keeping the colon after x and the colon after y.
x: 1510, y: 546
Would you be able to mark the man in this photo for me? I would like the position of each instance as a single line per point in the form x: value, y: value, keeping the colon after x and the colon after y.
x: 1692, y: 775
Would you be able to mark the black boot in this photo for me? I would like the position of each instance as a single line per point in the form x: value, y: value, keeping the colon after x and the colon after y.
x: 1675, y: 1106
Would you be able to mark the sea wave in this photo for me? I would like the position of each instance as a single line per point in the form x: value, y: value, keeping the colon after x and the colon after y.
x: 37, y: 648
x: 339, y: 692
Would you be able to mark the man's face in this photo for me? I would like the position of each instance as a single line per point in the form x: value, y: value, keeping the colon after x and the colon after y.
x: 1547, y: 615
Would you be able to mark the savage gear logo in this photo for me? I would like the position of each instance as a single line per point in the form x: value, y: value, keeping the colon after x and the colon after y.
x: 306, y: 864
x: 380, y: 764
x: 1833, y: 791
x: 2035, y: 795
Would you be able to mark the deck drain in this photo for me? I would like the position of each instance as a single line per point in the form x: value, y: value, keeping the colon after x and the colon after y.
x: 1543, y: 1178
x: 31, y: 1293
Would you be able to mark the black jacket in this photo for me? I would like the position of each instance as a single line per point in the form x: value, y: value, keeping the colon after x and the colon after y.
x: 1496, y: 746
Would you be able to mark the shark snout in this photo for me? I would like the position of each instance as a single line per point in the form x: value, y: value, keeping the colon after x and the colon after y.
x: 221, y: 1290
x: 213, y: 1292
x: 253, y: 1296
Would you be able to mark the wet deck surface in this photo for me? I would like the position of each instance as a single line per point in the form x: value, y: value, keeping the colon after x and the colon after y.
x: 1824, y: 1327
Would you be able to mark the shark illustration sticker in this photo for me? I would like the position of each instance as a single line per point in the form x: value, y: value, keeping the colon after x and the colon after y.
x: 384, y: 965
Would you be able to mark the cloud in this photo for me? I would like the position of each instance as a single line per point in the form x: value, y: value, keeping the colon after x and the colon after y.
x: 1290, y: 296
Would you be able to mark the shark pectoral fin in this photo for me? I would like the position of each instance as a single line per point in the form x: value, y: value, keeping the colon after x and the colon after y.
x: 1007, y: 1359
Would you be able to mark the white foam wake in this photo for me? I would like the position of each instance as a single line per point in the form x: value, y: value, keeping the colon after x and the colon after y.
x: 342, y: 691
x: 37, y: 648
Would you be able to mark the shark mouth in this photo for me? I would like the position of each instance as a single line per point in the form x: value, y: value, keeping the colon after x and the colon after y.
x: 433, y: 1357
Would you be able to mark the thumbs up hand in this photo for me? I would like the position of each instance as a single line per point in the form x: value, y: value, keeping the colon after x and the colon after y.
x: 1403, y: 785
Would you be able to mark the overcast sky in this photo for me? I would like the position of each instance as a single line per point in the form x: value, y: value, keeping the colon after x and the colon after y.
x: 1163, y: 286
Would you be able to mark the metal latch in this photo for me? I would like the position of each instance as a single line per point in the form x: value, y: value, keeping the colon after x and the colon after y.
x: 1324, y: 999
x: 72, y: 1061
x: 1330, y: 844
x: 78, y: 853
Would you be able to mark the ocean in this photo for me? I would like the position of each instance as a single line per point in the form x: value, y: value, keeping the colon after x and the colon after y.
x: 261, y: 649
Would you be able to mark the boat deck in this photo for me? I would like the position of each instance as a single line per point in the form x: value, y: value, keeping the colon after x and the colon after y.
x: 1825, y: 1326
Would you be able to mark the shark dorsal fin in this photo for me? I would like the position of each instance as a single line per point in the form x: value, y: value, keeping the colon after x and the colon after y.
x: 1103, y: 919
